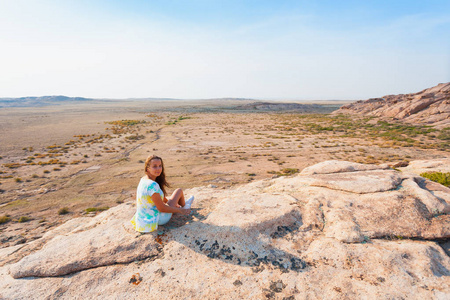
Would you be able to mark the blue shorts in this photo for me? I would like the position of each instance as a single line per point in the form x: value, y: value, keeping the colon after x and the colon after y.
x: 164, y: 218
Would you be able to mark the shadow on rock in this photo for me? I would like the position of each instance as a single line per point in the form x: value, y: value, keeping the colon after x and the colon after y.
x: 251, y: 246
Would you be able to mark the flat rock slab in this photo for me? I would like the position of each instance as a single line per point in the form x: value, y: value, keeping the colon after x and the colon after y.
x: 420, y: 166
x: 337, y: 166
x: 107, y: 239
x: 241, y: 229
x: 380, y: 269
x: 359, y: 182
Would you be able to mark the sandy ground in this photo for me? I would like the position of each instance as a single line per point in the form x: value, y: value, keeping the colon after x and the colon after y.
x: 70, y: 157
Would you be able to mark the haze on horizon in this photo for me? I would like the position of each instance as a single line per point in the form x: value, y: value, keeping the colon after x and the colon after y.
x: 205, y: 49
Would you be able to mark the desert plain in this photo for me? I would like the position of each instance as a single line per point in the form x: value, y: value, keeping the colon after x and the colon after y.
x: 73, y: 159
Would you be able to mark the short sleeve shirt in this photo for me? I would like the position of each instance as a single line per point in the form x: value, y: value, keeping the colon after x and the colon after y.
x: 147, y: 215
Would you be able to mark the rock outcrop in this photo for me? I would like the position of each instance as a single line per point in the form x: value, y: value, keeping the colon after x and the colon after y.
x: 428, y: 107
x: 337, y: 230
x: 274, y: 106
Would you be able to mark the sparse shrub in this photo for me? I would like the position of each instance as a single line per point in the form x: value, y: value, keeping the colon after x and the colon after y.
x: 56, y: 169
x: 12, y: 165
x: 23, y: 219
x: 63, y: 211
x: 4, y: 219
x: 46, y: 171
x: 94, y: 209
x: 439, y: 177
x: 289, y: 171
x: 444, y: 134
x: 284, y: 172
x: 35, y: 176
x: 126, y: 122
x: 18, y: 179
x: 135, y: 137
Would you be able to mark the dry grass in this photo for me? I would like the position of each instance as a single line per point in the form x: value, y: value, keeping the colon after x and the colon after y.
x: 100, y: 165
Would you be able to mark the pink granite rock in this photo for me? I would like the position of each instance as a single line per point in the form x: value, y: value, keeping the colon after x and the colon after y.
x: 428, y: 107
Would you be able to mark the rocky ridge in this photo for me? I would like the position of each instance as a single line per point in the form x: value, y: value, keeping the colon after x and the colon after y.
x: 428, y: 107
x: 337, y: 230
x: 277, y: 107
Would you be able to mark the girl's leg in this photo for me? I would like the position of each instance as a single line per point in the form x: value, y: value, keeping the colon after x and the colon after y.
x: 177, y: 198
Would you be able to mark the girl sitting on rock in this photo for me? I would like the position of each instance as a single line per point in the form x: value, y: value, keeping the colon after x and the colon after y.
x: 153, y: 208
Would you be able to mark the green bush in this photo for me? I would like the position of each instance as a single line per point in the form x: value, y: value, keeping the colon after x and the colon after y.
x: 439, y: 177
x: 4, y: 219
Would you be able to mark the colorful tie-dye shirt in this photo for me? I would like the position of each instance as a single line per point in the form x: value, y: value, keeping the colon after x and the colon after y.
x: 147, y: 215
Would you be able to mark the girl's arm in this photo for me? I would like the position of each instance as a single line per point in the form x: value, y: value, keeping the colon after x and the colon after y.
x: 163, y: 207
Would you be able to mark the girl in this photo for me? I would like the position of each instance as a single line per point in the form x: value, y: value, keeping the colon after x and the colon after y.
x: 153, y: 208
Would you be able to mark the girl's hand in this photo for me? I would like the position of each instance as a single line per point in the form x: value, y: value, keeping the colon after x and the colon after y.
x: 185, y: 211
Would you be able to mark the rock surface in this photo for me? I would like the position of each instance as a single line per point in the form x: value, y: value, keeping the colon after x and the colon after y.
x: 337, y: 230
x: 421, y: 166
x: 428, y: 107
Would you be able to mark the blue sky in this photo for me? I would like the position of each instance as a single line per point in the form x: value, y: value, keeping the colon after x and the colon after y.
x: 284, y: 50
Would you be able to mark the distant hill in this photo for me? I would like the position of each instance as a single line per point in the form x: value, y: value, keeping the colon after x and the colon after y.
x: 428, y: 107
x: 58, y: 100
x: 39, y: 101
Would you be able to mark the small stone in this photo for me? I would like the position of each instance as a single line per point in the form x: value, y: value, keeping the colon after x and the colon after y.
x: 237, y: 283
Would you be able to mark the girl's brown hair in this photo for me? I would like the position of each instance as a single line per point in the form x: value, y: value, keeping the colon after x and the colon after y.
x: 161, y: 179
